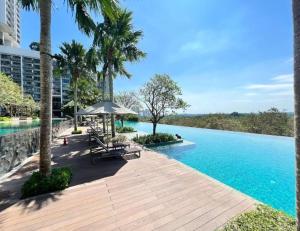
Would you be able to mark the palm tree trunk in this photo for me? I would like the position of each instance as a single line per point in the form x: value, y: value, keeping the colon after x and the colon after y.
x: 46, y: 88
x: 111, y: 97
x: 75, y: 102
x: 296, y: 18
x: 103, y: 123
x: 103, y: 89
x: 103, y: 97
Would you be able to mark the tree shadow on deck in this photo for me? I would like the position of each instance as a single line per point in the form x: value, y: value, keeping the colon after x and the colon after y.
x: 74, y: 155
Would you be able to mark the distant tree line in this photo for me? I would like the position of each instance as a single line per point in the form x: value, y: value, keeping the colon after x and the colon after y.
x: 272, y: 122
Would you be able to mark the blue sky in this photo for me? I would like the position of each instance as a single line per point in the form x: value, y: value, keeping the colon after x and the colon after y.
x: 229, y: 55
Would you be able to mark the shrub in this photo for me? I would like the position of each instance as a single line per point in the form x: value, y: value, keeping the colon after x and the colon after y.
x: 130, y: 117
x: 59, y: 179
x: 124, y: 129
x: 154, y: 139
x: 119, y: 138
x: 262, y: 218
x: 35, y: 117
x: 5, y: 118
x: 76, y: 132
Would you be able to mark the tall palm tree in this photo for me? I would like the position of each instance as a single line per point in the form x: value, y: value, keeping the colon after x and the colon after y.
x: 85, y: 23
x: 296, y: 19
x: 73, y: 60
x: 117, y: 42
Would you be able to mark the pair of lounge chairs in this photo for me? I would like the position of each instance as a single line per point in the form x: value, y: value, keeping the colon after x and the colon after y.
x: 100, y: 150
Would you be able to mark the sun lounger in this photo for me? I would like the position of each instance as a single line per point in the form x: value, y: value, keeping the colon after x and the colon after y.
x: 104, y: 151
x: 120, y: 145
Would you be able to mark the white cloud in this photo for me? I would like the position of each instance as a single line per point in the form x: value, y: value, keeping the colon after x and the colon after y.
x: 288, y: 78
x: 275, y: 86
x: 251, y: 94
x: 207, y: 41
x: 282, y: 93
x: 290, y: 60
x: 234, y: 100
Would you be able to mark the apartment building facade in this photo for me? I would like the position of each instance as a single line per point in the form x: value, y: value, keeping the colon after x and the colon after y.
x: 23, y: 65
x: 10, y: 23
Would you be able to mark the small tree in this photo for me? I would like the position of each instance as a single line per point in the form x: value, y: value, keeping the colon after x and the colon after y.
x: 34, y: 46
x: 129, y: 100
x: 12, y: 99
x: 160, y: 96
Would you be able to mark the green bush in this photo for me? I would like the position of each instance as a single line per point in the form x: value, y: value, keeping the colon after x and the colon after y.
x: 154, y: 139
x: 262, y: 218
x: 124, y: 129
x: 35, y: 117
x: 5, y: 118
x: 76, y: 132
x: 133, y: 118
x: 59, y: 179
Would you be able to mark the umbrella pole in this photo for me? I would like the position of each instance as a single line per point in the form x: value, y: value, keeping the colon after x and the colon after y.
x: 103, y: 123
x: 107, y: 126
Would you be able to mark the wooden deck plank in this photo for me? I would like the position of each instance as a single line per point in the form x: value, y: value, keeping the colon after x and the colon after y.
x: 150, y: 193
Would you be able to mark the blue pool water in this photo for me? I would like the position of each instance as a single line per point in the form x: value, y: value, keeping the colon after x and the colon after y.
x: 260, y: 166
x: 7, y: 127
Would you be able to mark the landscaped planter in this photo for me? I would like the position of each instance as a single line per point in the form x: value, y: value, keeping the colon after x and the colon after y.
x: 127, y: 132
x: 163, y: 143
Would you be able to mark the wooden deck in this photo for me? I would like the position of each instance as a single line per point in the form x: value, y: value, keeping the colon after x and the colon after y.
x: 150, y: 193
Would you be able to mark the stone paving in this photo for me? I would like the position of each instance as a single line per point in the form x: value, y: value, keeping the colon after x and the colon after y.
x: 148, y: 193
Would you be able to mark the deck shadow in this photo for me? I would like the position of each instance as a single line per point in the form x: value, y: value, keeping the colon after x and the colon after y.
x: 74, y: 155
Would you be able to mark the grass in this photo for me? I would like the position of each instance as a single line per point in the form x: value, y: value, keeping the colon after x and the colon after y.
x: 262, y: 218
x: 59, y: 179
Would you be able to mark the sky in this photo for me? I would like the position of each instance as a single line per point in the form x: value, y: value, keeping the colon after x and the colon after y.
x: 229, y: 55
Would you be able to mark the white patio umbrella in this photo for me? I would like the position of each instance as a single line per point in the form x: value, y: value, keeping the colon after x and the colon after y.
x: 104, y: 108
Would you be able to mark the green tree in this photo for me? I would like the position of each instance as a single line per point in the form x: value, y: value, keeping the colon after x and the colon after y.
x: 161, y: 97
x: 34, y: 46
x: 88, y: 94
x: 115, y: 42
x: 12, y: 99
x: 85, y: 23
x: 129, y: 100
x: 73, y: 60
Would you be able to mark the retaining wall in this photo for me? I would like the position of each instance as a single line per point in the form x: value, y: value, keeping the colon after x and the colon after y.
x: 16, y: 147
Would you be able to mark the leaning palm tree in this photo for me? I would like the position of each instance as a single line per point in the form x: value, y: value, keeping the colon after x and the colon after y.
x: 296, y: 19
x: 85, y: 23
x: 73, y: 60
x: 117, y: 42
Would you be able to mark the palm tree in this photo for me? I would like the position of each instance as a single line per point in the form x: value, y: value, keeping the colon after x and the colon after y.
x: 73, y: 60
x: 296, y: 19
x: 86, y: 24
x: 117, y: 42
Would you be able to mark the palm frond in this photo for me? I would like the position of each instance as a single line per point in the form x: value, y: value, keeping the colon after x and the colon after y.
x: 29, y: 4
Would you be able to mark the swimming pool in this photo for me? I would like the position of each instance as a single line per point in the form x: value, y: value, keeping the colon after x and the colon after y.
x: 8, y: 127
x: 260, y: 166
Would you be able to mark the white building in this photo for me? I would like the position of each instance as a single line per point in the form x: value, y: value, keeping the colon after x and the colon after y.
x: 9, y: 23
x: 23, y: 65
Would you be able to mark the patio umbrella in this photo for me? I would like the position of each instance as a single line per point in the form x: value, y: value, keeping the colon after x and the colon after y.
x: 104, y: 108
